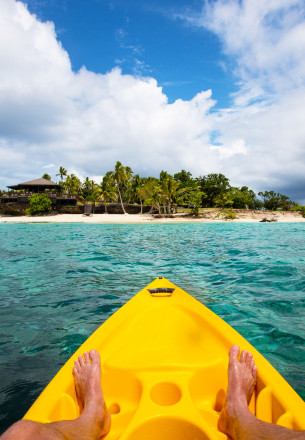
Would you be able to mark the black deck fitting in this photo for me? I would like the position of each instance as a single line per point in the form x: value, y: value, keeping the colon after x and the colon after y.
x: 161, y: 290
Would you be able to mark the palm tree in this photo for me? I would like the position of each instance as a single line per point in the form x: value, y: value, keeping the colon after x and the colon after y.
x: 171, y: 189
x: 141, y: 195
x: 163, y: 177
x: 136, y: 191
x: 121, y: 177
x: 88, y: 188
x: 153, y: 194
x: 107, y: 190
x: 62, y: 172
x: 72, y: 184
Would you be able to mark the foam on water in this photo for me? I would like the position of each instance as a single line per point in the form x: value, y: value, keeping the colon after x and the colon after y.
x: 59, y: 282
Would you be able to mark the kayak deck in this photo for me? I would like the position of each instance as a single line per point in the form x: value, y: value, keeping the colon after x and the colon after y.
x: 164, y: 372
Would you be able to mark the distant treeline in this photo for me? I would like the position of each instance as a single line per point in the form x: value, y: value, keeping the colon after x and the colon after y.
x: 170, y: 191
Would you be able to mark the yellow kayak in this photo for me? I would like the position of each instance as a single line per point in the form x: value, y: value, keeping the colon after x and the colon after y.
x: 164, y: 372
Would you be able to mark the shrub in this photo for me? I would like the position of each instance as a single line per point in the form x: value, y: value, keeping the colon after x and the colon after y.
x: 39, y: 204
x: 299, y: 208
x: 228, y: 214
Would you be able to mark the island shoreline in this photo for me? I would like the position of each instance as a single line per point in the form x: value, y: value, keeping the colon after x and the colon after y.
x: 210, y: 216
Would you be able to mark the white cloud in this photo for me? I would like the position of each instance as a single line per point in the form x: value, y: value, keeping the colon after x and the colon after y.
x: 264, y: 41
x: 85, y: 121
x: 49, y: 166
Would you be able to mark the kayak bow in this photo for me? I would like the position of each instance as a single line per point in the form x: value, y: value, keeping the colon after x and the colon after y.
x: 164, y: 372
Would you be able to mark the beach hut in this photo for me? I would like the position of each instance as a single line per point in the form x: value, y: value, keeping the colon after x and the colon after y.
x: 36, y: 186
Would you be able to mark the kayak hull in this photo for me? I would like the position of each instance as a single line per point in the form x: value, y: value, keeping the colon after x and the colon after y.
x: 164, y: 372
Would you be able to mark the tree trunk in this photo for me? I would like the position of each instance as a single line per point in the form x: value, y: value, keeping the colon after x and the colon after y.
x: 106, y: 212
x: 141, y: 206
x: 121, y: 201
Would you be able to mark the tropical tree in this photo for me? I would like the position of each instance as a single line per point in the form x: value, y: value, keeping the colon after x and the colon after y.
x: 285, y: 203
x: 185, y: 179
x: 88, y: 188
x: 132, y: 190
x: 72, y: 184
x: 194, y: 200
x: 273, y: 200
x: 153, y: 194
x: 62, y: 172
x: 121, y: 177
x: 244, y: 198
x: 224, y: 199
x: 107, y: 190
x: 135, y: 192
x: 191, y: 196
x: 141, y: 195
x: 162, y: 178
x: 46, y: 176
x: 171, y: 189
x: 212, y: 186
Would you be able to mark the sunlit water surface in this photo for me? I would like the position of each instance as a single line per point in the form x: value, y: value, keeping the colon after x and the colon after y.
x: 59, y: 282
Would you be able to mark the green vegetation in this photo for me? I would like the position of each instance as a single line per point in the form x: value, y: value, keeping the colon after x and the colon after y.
x: 167, y: 193
x: 107, y: 191
x: 62, y: 172
x: 39, y: 204
x: 228, y: 214
x: 273, y: 201
x: 298, y: 208
x: 121, y: 177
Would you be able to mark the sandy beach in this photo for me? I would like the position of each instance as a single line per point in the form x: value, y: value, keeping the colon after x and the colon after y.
x: 243, y: 216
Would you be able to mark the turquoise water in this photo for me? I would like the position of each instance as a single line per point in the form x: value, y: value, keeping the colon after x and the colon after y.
x: 59, y: 282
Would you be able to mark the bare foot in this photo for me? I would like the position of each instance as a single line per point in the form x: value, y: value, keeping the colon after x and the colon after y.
x: 87, y: 377
x: 242, y: 380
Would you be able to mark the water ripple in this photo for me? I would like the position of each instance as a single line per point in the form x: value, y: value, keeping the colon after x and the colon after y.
x: 59, y: 282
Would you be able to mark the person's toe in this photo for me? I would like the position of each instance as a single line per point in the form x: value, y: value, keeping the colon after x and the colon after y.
x: 243, y: 356
x: 94, y: 356
x: 249, y: 359
x: 254, y: 372
x: 87, y: 358
x: 81, y: 360
x: 76, y: 365
x: 234, y: 352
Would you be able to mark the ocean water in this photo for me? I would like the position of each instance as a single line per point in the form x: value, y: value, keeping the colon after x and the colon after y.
x: 59, y: 282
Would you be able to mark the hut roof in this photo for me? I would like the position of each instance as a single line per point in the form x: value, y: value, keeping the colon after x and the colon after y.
x: 40, y: 181
x: 36, y: 183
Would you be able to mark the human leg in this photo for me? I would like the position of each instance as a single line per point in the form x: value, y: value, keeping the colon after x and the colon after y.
x: 236, y: 420
x: 94, y: 420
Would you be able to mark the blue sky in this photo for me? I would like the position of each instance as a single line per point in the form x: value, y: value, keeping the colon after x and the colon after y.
x: 209, y: 86
x: 142, y: 38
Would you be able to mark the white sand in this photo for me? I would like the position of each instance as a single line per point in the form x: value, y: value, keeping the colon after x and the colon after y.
x: 244, y: 217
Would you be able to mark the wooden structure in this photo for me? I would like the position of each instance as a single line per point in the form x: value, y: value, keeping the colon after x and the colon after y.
x: 36, y: 186
x: 27, y: 189
x: 88, y: 209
